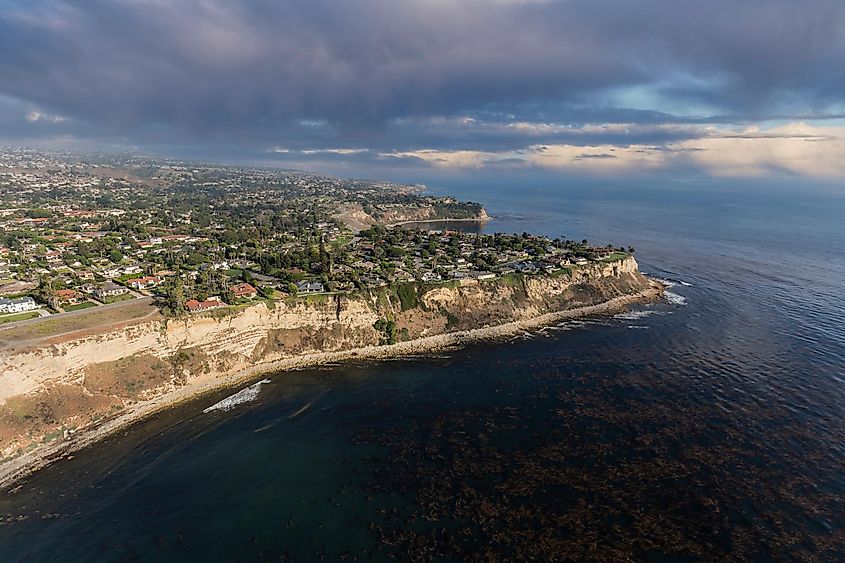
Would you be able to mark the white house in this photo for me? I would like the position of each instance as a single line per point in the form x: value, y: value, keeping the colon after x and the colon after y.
x: 18, y: 305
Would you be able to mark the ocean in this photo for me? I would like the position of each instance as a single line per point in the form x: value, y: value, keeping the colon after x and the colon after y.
x: 709, y: 426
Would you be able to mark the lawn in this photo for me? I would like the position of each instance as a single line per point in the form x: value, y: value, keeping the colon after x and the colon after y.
x: 18, y: 317
x: 615, y: 256
x: 79, y: 306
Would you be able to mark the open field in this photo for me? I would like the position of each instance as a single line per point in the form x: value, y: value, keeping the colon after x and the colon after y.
x: 92, y: 320
x: 80, y: 306
x: 119, y: 298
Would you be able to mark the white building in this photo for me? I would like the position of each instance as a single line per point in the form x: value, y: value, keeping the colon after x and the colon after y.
x: 19, y: 305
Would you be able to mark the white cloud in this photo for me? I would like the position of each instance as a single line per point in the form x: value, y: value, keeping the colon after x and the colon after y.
x: 795, y: 148
x: 35, y: 116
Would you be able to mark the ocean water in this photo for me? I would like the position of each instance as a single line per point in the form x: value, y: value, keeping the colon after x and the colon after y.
x: 710, y: 426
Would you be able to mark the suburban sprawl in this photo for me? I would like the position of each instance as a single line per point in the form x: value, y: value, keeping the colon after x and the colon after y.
x: 93, y: 231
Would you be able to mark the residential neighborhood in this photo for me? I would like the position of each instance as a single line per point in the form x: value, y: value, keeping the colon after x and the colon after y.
x: 79, y: 233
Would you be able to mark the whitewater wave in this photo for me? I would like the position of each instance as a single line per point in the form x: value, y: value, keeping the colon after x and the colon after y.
x: 671, y: 282
x: 635, y: 315
x: 667, y: 282
x: 243, y: 396
x: 570, y: 325
x: 675, y: 299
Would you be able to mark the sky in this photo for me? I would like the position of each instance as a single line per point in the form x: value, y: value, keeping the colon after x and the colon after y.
x: 612, y: 89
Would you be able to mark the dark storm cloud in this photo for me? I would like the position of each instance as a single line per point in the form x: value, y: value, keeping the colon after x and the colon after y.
x: 307, y: 74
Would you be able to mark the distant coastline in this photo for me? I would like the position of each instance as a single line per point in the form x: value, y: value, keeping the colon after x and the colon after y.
x: 480, y: 219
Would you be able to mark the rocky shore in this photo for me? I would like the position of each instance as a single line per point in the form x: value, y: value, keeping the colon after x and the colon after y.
x: 115, y: 375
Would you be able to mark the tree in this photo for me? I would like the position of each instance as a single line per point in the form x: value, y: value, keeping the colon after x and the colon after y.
x: 44, y: 292
x: 387, y: 327
x: 174, y: 296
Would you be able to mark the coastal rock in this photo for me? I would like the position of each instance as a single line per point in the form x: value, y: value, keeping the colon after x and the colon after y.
x: 78, y: 383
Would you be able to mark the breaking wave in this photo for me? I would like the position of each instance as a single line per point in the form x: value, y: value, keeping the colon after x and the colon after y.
x: 634, y: 315
x: 243, y: 396
x: 670, y: 282
x: 674, y: 298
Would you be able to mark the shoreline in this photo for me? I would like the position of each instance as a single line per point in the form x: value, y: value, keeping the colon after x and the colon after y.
x: 27, y: 464
x: 483, y: 219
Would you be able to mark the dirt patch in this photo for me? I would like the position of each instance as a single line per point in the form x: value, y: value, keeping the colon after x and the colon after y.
x: 42, y: 416
x: 189, y: 361
x: 88, y: 322
x: 129, y: 377
x: 294, y: 341
x: 421, y: 323
x: 354, y: 217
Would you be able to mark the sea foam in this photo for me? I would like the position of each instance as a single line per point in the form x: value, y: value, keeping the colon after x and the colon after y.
x: 674, y: 298
x: 243, y: 396
x: 634, y: 315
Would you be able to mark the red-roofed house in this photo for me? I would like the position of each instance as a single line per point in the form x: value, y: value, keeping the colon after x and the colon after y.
x: 195, y: 306
x: 65, y: 297
x: 244, y: 290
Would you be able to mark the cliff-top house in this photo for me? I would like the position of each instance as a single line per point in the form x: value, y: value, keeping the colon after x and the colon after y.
x: 243, y: 291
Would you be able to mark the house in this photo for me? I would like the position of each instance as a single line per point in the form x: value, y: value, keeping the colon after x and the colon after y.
x: 430, y: 277
x: 18, y: 305
x: 87, y: 288
x: 196, y: 306
x: 144, y: 283
x: 373, y: 281
x: 53, y: 256
x: 131, y: 269
x: 109, y: 289
x: 309, y: 287
x: 243, y: 290
x: 66, y: 297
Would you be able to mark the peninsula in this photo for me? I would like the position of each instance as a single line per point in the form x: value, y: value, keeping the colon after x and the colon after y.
x: 134, y: 284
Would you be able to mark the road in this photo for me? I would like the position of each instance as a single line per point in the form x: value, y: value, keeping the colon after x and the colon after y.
x: 80, y: 312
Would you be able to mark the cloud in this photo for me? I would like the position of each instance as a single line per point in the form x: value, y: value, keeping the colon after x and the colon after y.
x: 795, y: 149
x: 34, y: 116
x: 470, y: 81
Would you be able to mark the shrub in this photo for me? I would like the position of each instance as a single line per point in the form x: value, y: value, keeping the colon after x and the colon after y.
x: 407, y: 293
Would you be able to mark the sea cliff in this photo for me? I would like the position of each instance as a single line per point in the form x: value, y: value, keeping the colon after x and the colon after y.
x: 58, y: 397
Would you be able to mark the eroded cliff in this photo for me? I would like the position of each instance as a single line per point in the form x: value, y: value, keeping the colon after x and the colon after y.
x: 51, y: 393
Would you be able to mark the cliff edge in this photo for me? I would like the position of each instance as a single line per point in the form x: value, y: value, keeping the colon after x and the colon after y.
x: 60, y: 396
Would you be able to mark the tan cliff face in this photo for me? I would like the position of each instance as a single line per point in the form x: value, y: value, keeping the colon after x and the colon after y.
x: 49, y: 392
x: 353, y: 215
